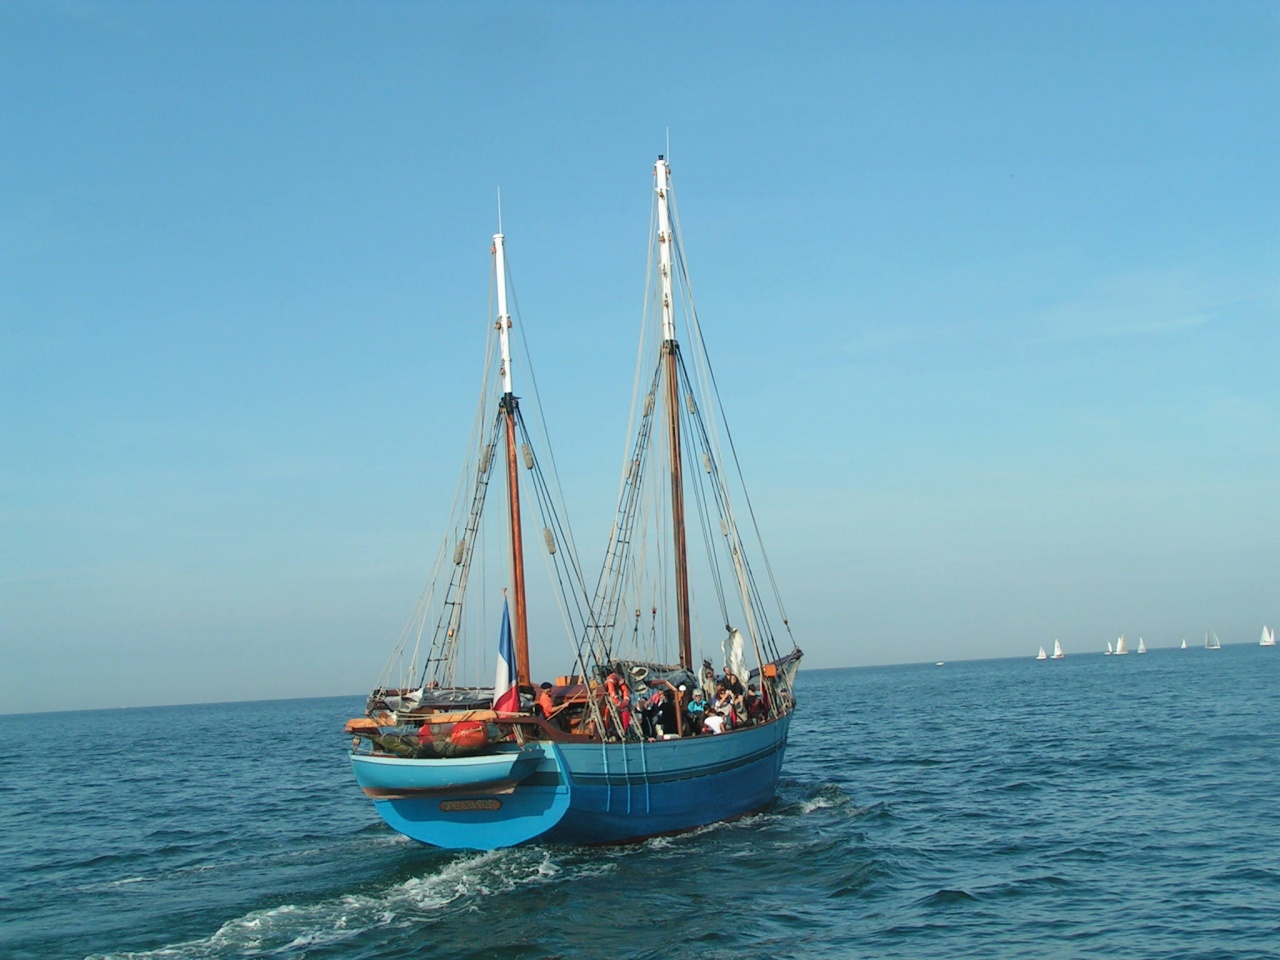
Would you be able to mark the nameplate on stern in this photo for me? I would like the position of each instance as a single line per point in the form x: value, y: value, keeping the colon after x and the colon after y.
x: 464, y: 806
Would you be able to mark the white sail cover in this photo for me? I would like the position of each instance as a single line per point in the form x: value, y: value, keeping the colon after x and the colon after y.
x: 733, y: 658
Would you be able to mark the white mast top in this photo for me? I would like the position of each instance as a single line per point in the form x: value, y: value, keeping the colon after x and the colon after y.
x: 662, y: 174
x: 504, y: 320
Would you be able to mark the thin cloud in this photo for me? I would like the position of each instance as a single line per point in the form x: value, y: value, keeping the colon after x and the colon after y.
x: 1134, y: 307
x: 1086, y: 326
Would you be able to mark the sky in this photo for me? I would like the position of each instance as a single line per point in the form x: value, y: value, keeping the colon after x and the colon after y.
x: 993, y: 290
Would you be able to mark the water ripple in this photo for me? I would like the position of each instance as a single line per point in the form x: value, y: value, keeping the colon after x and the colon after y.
x: 1001, y: 809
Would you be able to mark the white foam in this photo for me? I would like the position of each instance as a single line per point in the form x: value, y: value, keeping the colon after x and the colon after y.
x: 290, y: 926
x: 113, y: 884
x: 828, y: 798
x: 817, y: 803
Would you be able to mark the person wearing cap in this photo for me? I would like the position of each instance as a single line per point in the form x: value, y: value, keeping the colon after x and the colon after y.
x: 545, y: 703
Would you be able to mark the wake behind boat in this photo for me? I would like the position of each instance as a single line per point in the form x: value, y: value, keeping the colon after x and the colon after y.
x: 640, y: 736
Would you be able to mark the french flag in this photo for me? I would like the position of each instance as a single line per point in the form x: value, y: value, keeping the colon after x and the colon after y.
x: 506, y: 695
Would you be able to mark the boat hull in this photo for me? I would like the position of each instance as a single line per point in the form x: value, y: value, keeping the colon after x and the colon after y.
x: 384, y: 777
x: 593, y: 793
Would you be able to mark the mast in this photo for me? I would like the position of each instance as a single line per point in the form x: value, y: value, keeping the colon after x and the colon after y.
x: 509, y: 404
x: 670, y: 351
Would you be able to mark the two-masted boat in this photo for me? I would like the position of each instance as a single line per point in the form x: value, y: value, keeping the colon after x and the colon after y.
x: 663, y: 722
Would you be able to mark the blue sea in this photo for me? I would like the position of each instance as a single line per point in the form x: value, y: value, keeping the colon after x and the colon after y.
x: 1091, y: 807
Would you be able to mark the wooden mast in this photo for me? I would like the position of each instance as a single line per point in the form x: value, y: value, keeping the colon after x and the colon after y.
x: 670, y: 353
x: 509, y: 404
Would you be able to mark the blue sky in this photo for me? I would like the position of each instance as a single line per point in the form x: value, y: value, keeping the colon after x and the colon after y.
x: 992, y: 289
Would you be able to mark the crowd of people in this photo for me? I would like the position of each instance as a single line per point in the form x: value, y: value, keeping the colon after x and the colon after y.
x: 729, y: 705
x: 659, y: 708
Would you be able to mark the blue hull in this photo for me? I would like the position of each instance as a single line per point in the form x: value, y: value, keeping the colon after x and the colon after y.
x: 604, y: 793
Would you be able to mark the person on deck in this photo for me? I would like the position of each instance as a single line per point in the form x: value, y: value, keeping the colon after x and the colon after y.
x: 695, y: 712
x: 757, y: 710
x: 545, y: 704
x: 653, y: 714
x: 620, y: 696
x: 733, y: 683
x: 668, y: 723
x: 724, y: 699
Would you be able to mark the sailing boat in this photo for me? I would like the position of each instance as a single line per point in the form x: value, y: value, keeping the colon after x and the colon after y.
x: 1211, y: 641
x: 1057, y: 651
x: 616, y: 750
x: 1268, y: 637
x: 1122, y: 646
x: 1042, y: 655
x: 1142, y: 647
x: 1184, y: 643
x: 1109, y: 650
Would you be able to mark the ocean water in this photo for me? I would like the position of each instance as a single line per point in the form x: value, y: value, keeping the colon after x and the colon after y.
x: 1092, y: 807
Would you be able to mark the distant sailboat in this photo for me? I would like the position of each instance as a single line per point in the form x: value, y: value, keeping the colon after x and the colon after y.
x: 1122, y: 646
x: 1057, y: 650
x: 1211, y: 641
x: 1109, y: 650
x: 1042, y: 655
x: 1268, y: 637
x: 1184, y: 643
x: 1142, y: 647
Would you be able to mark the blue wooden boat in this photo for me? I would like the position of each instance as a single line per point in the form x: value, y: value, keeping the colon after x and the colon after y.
x: 643, y: 736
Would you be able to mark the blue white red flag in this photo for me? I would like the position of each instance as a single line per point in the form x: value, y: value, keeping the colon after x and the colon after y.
x: 506, y: 695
